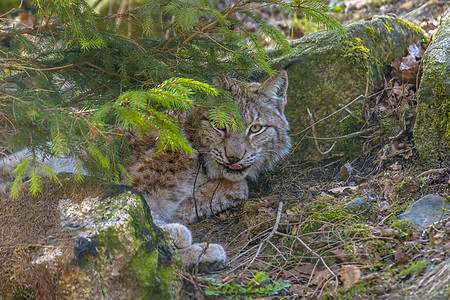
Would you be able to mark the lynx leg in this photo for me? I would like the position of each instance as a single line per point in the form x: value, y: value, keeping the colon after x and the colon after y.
x: 181, y: 236
x: 209, y: 256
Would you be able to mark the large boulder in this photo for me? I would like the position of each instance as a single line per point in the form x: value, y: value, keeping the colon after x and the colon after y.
x: 432, y: 128
x: 332, y: 70
x: 84, y: 241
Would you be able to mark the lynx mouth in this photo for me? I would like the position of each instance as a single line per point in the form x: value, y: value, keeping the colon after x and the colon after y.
x: 235, y: 168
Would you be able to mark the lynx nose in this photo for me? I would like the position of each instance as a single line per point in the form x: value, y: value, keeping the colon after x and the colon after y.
x: 233, y: 159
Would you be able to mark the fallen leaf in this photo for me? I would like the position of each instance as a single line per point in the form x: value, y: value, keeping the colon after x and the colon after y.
x: 342, y: 189
x: 415, y: 51
x: 346, y: 170
x: 370, y: 277
x: 320, y: 277
x: 397, y: 178
x: 349, y: 275
x: 340, y: 254
x: 401, y: 258
x: 395, y: 167
x: 299, y: 274
x: 299, y: 289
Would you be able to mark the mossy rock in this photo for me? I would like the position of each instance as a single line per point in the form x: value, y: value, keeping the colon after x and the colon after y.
x: 333, y: 70
x: 432, y: 128
x: 102, y: 243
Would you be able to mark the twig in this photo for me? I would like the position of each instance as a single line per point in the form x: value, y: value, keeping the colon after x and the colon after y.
x: 345, y: 137
x: 315, y: 138
x: 330, y: 115
x: 363, y: 109
x: 212, y: 198
x: 28, y: 30
x: 432, y: 171
x: 383, y: 157
x: 193, y: 193
x: 275, y: 228
x: 194, y: 281
x: 250, y: 228
x: 195, y: 273
x: 309, y: 249
x: 276, y: 249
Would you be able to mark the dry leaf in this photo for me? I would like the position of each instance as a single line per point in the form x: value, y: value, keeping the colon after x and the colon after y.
x: 401, y: 258
x: 340, y: 254
x: 299, y: 274
x: 397, y: 178
x: 299, y: 289
x: 346, y: 170
x: 395, y: 167
x: 370, y: 277
x: 320, y: 277
x: 342, y: 189
x: 350, y: 275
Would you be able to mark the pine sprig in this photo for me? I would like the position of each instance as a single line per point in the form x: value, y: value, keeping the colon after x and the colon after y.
x: 75, y: 81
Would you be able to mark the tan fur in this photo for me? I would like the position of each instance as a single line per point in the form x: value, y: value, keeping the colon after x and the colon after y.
x: 180, y: 188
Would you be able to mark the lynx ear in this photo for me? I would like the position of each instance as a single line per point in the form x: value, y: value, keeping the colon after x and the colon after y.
x: 276, y: 89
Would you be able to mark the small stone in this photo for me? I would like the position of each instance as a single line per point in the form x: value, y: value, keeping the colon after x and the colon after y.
x: 358, y: 205
x: 425, y: 211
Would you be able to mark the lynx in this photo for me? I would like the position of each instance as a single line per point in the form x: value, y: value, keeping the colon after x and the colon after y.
x: 179, y: 188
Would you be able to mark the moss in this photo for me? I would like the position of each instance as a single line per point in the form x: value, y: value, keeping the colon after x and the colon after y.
x: 443, y: 107
x: 153, y: 271
x: 325, y: 213
x: 107, y: 240
x: 404, y: 227
x: 355, y: 51
x: 350, y: 147
x: 432, y: 130
x: 386, y: 126
x: 415, y: 268
x: 388, y: 26
x: 410, y: 26
x: 372, y: 34
x: 407, y: 189
x: 379, y: 247
x: 143, y: 268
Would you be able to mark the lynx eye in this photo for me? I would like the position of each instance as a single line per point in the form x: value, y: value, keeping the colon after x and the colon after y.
x: 218, y: 127
x: 255, y: 128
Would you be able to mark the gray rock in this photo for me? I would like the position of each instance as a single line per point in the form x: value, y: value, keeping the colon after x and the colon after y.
x: 432, y: 127
x: 333, y: 72
x: 358, y: 205
x: 426, y: 211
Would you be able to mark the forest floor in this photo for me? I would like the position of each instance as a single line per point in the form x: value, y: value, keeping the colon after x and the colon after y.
x: 329, y: 229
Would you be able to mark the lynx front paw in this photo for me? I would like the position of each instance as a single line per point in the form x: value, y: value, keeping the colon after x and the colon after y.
x: 181, y: 236
x: 209, y: 257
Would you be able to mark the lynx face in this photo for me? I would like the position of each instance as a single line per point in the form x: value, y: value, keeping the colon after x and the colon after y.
x: 233, y: 155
